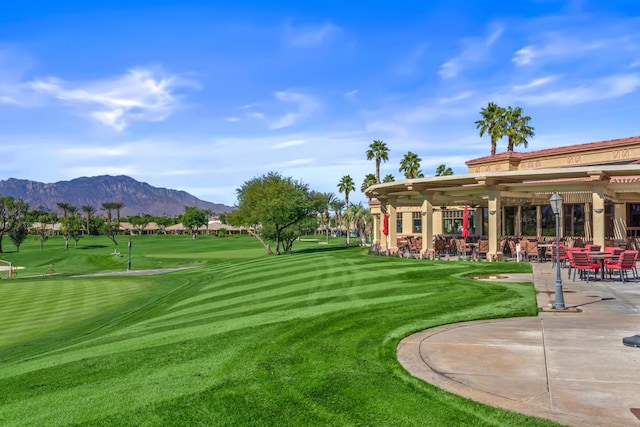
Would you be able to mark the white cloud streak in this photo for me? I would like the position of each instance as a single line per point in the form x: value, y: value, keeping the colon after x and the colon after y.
x: 306, y: 36
x: 474, y: 50
x: 139, y: 95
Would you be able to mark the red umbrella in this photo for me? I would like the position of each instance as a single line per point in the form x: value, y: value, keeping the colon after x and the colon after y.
x: 385, y: 225
x: 465, y: 222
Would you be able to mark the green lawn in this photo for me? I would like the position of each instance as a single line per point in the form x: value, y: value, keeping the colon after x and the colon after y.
x: 243, y: 339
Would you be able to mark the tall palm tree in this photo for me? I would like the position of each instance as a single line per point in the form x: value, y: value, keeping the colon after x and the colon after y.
x: 410, y: 165
x: 108, y: 206
x: 443, y: 170
x: 361, y: 219
x: 346, y: 186
x: 492, y: 123
x: 65, y: 207
x: 378, y: 150
x: 118, y: 206
x: 388, y: 178
x: 328, y: 199
x: 369, y: 180
x: 89, y: 211
x: 337, y: 206
x: 517, y: 128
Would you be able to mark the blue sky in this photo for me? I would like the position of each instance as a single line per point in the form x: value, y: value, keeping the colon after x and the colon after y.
x: 202, y: 96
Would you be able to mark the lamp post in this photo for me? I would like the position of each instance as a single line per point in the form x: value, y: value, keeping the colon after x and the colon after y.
x: 556, y: 207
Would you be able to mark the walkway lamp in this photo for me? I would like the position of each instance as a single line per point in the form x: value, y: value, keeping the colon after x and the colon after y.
x: 556, y: 207
x: 129, y: 256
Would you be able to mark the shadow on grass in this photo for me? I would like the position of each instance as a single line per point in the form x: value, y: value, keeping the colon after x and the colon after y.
x: 324, y: 249
x: 92, y: 247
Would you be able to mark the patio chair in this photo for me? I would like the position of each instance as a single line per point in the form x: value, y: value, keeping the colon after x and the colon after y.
x: 483, y: 248
x: 531, y: 249
x: 584, y: 265
x: 622, y: 265
x: 554, y: 255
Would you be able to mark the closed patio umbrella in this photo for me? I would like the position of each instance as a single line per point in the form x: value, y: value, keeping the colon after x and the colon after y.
x: 465, y: 222
x: 385, y: 225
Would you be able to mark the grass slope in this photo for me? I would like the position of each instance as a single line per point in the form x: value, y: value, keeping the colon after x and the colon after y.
x: 301, y: 339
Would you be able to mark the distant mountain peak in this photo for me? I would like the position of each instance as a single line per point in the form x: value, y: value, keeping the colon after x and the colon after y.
x: 137, y: 197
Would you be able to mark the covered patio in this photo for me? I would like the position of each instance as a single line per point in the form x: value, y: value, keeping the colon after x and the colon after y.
x: 507, y: 195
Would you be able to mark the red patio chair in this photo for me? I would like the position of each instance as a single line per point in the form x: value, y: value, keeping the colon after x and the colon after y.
x: 584, y: 265
x: 622, y: 265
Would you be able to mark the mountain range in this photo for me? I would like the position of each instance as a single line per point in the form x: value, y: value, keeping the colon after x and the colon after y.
x: 137, y: 197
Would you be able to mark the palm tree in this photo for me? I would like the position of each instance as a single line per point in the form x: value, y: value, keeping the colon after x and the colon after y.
x: 337, y: 206
x: 517, y: 128
x: 443, y: 170
x: 369, y: 180
x: 89, y: 211
x: 328, y: 199
x: 378, y: 150
x: 410, y: 165
x: 346, y: 186
x: 118, y: 206
x: 108, y: 206
x: 388, y: 178
x: 492, y: 123
x: 361, y: 219
x: 65, y: 207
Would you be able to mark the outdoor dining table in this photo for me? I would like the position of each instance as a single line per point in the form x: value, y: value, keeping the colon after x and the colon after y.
x: 542, y: 250
x: 601, y: 257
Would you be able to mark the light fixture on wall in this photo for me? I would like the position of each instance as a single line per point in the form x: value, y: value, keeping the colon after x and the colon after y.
x: 598, y: 210
x: 492, y: 212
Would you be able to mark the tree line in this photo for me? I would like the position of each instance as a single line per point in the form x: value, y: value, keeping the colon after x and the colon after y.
x: 17, y: 221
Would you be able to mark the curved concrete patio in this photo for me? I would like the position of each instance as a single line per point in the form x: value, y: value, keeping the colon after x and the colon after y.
x: 569, y: 366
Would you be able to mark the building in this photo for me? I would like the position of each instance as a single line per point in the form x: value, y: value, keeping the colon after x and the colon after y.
x: 508, y: 195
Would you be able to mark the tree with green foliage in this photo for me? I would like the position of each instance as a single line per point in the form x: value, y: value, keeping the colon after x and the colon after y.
x: 410, y: 165
x: 369, y: 180
x: 89, y: 212
x: 346, y: 186
x: 18, y: 234
x: 164, y: 222
x: 12, y: 213
x: 492, y: 124
x: 111, y: 227
x: 139, y: 222
x: 443, y: 170
x: 45, y: 222
x: 271, y: 203
x: 193, y: 218
x: 325, y: 217
x: 379, y: 151
x: 517, y: 128
x: 337, y: 206
x: 362, y: 220
x: 71, y: 226
x: 388, y: 178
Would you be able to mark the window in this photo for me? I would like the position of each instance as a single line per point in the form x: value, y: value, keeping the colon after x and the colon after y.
x: 417, y: 222
x: 529, y: 221
x: 399, y: 222
x: 452, y: 222
x: 573, y: 219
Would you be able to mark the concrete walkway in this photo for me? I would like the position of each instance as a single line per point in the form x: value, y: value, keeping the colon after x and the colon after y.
x: 568, y: 366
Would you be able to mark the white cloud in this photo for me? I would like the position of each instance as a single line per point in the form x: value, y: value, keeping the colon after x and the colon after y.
x: 555, y: 45
x: 352, y: 95
x: 592, y: 90
x: 535, y: 83
x: 306, y: 106
x: 310, y: 35
x: 287, y: 144
x: 8, y: 100
x: 410, y: 64
x: 474, y: 50
x: 138, y: 95
x: 98, y: 152
x: 232, y: 119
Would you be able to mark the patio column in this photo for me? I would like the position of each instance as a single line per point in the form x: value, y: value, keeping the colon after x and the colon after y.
x: 495, y: 223
x: 393, y: 225
x: 518, y: 221
x: 376, y: 228
x: 620, y: 221
x: 538, y: 221
x: 598, y: 215
x: 426, y: 212
x: 588, y: 214
x: 479, y: 221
